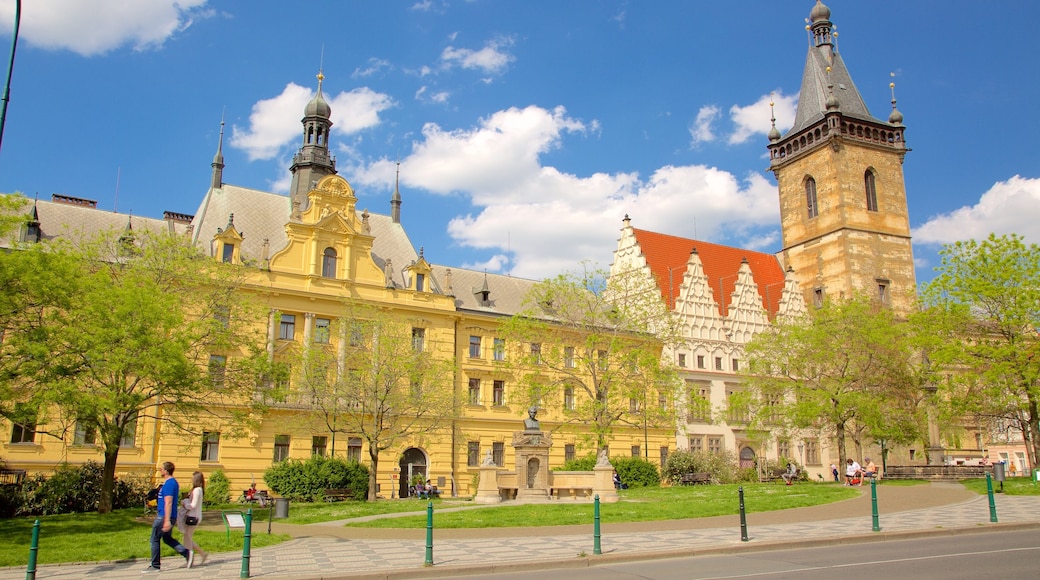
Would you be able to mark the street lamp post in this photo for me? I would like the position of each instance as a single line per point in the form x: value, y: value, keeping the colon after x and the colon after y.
x: 10, y: 68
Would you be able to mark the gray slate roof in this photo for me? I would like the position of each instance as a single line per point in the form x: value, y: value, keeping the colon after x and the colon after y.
x: 76, y: 222
x: 816, y: 89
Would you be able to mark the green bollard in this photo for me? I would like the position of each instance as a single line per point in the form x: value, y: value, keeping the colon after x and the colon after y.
x: 992, y: 502
x: 743, y: 517
x: 245, y: 544
x: 873, y: 504
x: 34, y: 547
x: 429, y: 534
x: 595, y: 526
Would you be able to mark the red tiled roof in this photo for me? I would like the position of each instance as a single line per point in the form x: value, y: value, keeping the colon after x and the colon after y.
x: 667, y: 256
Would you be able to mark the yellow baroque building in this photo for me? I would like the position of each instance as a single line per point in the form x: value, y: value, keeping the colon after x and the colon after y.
x: 306, y: 254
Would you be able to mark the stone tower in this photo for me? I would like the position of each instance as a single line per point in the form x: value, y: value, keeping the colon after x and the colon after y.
x: 843, y: 211
x: 313, y: 161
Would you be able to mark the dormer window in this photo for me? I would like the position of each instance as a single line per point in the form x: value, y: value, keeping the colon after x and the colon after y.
x: 420, y: 282
x: 228, y: 254
x: 328, y: 263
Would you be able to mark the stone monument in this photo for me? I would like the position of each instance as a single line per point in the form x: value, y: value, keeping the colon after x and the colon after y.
x: 532, y: 458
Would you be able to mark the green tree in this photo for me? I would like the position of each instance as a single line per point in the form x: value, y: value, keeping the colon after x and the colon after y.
x: 844, y: 370
x: 381, y: 384
x: 125, y: 327
x: 594, y: 343
x: 990, y: 292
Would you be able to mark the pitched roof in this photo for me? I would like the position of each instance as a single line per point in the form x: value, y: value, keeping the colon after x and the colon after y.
x: 667, y: 256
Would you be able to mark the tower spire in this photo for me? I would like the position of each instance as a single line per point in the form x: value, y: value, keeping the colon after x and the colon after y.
x: 313, y: 161
x: 895, y: 117
x: 218, y: 159
x: 395, y: 199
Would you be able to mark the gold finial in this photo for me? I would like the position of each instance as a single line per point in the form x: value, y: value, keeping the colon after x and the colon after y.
x: 321, y: 76
x: 828, y: 70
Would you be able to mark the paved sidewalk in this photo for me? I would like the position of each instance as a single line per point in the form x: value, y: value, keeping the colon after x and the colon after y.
x: 332, y: 551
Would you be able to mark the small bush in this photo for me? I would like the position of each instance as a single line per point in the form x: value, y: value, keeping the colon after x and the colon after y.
x: 636, y: 472
x: 218, y: 488
x: 579, y: 464
x: 722, y: 466
x: 308, y: 480
x: 72, y: 489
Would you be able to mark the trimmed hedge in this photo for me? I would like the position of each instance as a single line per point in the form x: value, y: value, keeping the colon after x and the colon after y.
x: 308, y: 480
x: 70, y: 489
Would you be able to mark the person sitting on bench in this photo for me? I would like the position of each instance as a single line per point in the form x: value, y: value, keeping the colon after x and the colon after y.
x: 791, y: 473
x: 870, y: 469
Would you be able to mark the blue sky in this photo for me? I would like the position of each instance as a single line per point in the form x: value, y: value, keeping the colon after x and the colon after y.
x: 527, y: 130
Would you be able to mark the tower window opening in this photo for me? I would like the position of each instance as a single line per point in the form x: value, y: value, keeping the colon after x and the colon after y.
x: 810, y: 198
x: 870, y: 187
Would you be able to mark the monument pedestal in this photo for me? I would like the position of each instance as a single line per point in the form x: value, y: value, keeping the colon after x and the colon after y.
x: 487, y: 485
x: 531, y: 447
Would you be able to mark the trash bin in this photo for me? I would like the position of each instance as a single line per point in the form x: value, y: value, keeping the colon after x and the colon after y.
x: 998, y: 471
x: 281, y: 507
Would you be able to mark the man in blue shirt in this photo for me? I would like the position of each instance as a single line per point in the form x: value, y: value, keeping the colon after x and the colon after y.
x: 169, y: 497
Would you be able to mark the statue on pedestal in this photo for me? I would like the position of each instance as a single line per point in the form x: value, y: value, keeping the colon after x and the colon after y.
x: 531, y: 423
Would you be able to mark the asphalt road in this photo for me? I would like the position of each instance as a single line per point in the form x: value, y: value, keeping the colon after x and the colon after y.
x: 1004, y: 555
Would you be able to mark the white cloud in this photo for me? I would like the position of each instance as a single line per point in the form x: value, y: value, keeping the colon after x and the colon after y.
x: 375, y: 65
x: 546, y: 221
x: 490, y: 59
x: 754, y: 119
x: 701, y: 130
x: 275, y: 122
x: 98, y: 26
x: 1008, y: 207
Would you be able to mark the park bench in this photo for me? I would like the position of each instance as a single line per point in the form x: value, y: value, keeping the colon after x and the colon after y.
x: 773, y: 475
x: 338, y: 493
x: 694, y: 478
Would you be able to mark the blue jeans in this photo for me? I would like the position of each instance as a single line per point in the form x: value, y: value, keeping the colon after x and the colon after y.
x: 159, y: 534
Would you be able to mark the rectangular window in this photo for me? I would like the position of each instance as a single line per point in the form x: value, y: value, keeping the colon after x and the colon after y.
x: 698, y: 402
x: 217, y: 369
x: 718, y: 363
x: 783, y: 449
x: 882, y: 288
x: 818, y: 297
x: 664, y: 456
x: 418, y: 339
x: 281, y: 448
x: 473, y: 453
x: 736, y: 411
x: 287, y: 327
x: 568, y: 357
x: 568, y: 398
x: 420, y: 282
x: 500, y: 349
x: 700, y: 361
x: 634, y: 405
x: 812, y: 452
x: 536, y: 353
x: 715, y: 445
x: 810, y: 198
x: 357, y: 334
x: 696, y: 443
x: 86, y: 434
x: 682, y: 360
x: 498, y: 453
x: 734, y: 365
x: 129, y: 438
x: 474, y: 346
x: 474, y: 391
x: 228, y: 253
x: 354, y: 449
x: 322, y: 330
x: 319, y: 445
x: 636, y: 451
x: 601, y: 359
x: 24, y: 432
x: 568, y: 452
x: 498, y: 393
x: 210, y: 446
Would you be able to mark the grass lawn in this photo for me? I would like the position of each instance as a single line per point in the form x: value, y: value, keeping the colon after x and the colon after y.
x: 636, y: 505
x: 116, y: 536
x: 310, y: 513
x: 1013, y: 486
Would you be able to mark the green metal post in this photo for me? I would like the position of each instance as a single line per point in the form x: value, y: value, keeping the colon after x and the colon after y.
x: 34, y: 547
x: 992, y: 502
x: 429, y: 534
x: 595, y: 526
x: 873, y: 504
x: 245, y: 544
x: 743, y: 516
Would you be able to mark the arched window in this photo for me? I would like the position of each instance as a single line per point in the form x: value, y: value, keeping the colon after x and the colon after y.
x: 870, y: 187
x: 810, y: 197
x: 328, y: 263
